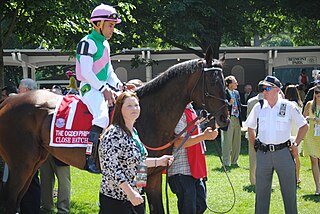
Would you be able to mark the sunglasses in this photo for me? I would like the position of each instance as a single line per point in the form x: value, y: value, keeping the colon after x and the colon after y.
x: 268, y: 88
x: 316, y: 92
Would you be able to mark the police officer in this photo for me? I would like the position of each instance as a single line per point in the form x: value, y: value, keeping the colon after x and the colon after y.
x: 273, y: 145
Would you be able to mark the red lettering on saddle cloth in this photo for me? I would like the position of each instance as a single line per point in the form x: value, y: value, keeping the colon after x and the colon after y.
x: 71, y: 123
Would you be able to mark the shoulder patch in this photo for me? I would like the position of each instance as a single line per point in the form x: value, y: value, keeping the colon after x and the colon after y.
x: 83, y: 48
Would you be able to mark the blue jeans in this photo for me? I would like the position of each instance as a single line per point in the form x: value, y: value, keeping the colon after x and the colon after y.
x: 190, y: 192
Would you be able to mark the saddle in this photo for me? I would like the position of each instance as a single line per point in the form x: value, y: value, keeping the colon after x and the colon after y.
x: 71, y: 123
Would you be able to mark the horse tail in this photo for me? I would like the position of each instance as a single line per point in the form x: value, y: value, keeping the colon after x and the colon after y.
x: 2, y: 164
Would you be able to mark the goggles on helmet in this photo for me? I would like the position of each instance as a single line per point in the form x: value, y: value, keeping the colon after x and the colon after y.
x: 111, y: 16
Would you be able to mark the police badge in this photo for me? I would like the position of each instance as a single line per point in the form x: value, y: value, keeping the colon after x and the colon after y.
x: 282, y: 111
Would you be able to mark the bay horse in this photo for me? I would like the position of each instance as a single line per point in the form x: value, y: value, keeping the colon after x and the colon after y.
x: 25, y: 121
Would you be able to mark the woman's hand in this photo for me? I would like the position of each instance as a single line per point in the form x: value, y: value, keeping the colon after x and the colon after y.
x: 135, y: 198
x: 165, y: 160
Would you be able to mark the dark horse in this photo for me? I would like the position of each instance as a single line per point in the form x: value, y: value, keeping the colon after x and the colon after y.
x: 25, y: 124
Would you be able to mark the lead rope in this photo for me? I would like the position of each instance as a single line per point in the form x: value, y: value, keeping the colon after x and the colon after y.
x: 203, y: 115
x: 233, y: 191
x: 167, y: 167
x: 204, y: 180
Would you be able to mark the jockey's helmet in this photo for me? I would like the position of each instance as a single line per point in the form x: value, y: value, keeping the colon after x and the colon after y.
x: 105, y: 12
x: 70, y: 73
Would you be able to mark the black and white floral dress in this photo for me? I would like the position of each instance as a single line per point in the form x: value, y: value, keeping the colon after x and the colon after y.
x: 119, y: 158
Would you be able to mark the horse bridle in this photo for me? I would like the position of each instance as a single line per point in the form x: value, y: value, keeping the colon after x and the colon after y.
x: 203, y: 111
x: 205, y: 90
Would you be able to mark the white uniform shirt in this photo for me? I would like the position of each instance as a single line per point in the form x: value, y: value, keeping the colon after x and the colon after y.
x: 275, y: 125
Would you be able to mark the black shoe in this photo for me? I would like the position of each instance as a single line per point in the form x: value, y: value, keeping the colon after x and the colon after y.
x: 91, y: 166
x: 235, y: 165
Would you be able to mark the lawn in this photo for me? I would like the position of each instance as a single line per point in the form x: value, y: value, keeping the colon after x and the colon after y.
x: 85, y: 188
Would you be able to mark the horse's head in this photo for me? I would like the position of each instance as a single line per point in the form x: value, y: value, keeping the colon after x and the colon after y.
x: 209, y: 90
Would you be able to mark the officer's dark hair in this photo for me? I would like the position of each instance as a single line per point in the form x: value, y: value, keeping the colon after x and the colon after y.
x: 229, y: 79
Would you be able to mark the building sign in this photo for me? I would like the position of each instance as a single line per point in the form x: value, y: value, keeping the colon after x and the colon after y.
x: 302, y: 60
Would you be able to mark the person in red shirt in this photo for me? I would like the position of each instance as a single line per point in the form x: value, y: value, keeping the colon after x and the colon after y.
x: 189, y: 166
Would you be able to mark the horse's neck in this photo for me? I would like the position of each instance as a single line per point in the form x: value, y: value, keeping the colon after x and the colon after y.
x: 160, y: 113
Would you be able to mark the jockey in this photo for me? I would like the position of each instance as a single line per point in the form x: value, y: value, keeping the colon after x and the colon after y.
x: 98, y: 79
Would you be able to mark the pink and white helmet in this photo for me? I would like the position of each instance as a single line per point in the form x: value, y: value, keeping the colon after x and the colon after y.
x: 70, y: 73
x: 105, y: 12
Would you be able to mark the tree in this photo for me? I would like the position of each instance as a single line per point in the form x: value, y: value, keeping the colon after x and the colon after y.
x: 53, y: 24
x: 48, y: 24
x: 160, y: 23
x: 200, y: 23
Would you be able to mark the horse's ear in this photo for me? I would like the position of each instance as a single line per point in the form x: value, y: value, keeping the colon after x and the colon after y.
x: 223, y: 58
x: 209, y: 56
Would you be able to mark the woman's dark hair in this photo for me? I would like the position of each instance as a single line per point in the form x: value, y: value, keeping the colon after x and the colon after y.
x: 291, y: 93
x: 117, y: 118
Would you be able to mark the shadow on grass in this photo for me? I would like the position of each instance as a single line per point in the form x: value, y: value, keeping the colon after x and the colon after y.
x: 220, y: 169
x: 249, y: 188
x: 312, y: 197
x: 226, y: 168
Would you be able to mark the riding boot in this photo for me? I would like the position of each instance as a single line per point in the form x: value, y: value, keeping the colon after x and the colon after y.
x: 92, y: 150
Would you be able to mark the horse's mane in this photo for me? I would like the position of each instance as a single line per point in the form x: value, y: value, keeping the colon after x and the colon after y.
x: 183, y: 68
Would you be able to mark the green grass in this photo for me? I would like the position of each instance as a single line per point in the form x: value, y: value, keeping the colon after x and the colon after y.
x: 85, y: 188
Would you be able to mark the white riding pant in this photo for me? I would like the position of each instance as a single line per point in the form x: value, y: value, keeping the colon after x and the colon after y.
x: 97, y: 106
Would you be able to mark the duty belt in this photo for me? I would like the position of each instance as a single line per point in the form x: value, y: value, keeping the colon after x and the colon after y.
x: 272, y: 147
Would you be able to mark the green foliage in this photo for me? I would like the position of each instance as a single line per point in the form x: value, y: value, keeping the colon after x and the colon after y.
x: 161, y: 24
x: 13, y: 75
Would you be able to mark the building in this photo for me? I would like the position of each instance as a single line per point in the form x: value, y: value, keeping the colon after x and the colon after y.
x: 247, y: 64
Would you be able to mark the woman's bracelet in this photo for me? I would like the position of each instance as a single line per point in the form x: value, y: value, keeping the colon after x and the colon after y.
x: 155, y: 162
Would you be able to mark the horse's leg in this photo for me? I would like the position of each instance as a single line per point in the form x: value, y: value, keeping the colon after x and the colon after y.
x: 21, y: 171
x: 16, y: 186
x: 154, y: 193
